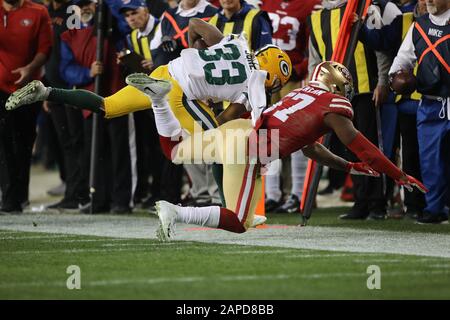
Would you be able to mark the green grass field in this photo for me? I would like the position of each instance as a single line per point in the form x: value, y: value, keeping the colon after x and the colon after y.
x: 126, y: 262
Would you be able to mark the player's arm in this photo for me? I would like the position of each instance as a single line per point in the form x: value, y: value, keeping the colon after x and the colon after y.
x: 367, y: 151
x: 322, y: 155
x: 234, y: 111
x: 199, y: 29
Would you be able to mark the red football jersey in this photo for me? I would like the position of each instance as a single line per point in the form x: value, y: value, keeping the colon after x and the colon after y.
x: 290, y: 31
x: 299, y: 118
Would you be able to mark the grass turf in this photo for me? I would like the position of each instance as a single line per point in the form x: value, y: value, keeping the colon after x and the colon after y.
x: 34, y: 267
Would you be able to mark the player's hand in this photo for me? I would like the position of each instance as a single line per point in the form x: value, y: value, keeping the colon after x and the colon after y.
x: 96, y: 69
x: 361, y: 168
x: 25, y: 74
x: 147, y: 64
x: 410, y: 182
x: 380, y: 95
x: 168, y: 44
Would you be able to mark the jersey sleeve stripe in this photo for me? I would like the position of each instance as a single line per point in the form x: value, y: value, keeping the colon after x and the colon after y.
x: 340, y: 100
x: 341, y: 106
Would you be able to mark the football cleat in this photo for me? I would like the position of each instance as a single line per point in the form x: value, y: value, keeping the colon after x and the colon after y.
x: 292, y: 205
x: 32, y: 92
x: 156, y: 89
x: 166, y: 213
x: 258, y: 220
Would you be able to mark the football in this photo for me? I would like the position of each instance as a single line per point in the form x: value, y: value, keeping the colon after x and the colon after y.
x: 200, y: 44
x: 403, y: 82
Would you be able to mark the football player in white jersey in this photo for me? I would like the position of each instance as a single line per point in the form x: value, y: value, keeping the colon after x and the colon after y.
x: 226, y: 70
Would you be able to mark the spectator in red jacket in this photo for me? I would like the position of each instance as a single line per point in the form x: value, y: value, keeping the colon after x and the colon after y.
x: 116, y: 174
x: 25, y: 44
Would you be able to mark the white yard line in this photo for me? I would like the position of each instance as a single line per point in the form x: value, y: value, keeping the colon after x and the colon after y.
x: 316, y: 238
x: 22, y: 237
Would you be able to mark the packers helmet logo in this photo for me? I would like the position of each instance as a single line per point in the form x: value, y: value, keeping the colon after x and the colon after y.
x: 284, y: 67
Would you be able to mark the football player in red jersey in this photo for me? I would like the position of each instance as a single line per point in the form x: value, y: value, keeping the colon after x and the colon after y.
x: 290, y: 32
x: 295, y: 123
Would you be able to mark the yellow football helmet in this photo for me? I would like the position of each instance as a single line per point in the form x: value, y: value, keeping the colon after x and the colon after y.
x: 277, y: 64
x: 333, y: 77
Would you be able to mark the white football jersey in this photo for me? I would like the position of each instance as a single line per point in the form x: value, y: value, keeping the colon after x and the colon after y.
x: 220, y: 72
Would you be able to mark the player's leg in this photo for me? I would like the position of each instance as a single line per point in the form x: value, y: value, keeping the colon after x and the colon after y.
x: 126, y: 100
x: 273, y: 186
x: 243, y: 190
x: 137, y: 95
x: 298, y: 169
x: 431, y: 132
x: 242, y: 193
x: 242, y: 184
x: 36, y: 91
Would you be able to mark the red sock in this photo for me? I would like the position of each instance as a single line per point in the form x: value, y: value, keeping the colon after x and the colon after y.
x: 229, y: 221
x: 169, y: 146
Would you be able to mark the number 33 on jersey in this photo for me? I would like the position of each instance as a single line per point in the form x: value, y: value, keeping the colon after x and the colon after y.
x: 220, y: 72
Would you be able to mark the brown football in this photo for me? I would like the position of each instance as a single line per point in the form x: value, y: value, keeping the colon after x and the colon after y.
x: 200, y: 44
x: 404, y: 82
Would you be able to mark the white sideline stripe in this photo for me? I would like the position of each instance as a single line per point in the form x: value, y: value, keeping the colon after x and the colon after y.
x: 35, y: 237
x: 267, y: 277
x: 335, y: 239
x: 300, y: 255
x: 85, y: 240
x: 380, y: 261
x: 329, y: 255
x: 105, y: 250
x: 259, y: 252
x: 132, y: 244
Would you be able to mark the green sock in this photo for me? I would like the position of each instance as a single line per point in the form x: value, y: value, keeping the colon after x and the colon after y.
x: 78, y: 98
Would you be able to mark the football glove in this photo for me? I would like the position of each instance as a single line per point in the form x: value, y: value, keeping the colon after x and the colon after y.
x: 168, y: 44
x: 361, y: 168
x: 410, y: 183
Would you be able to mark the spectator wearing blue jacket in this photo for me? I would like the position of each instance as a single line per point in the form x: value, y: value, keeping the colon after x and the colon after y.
x: 238, y: 16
